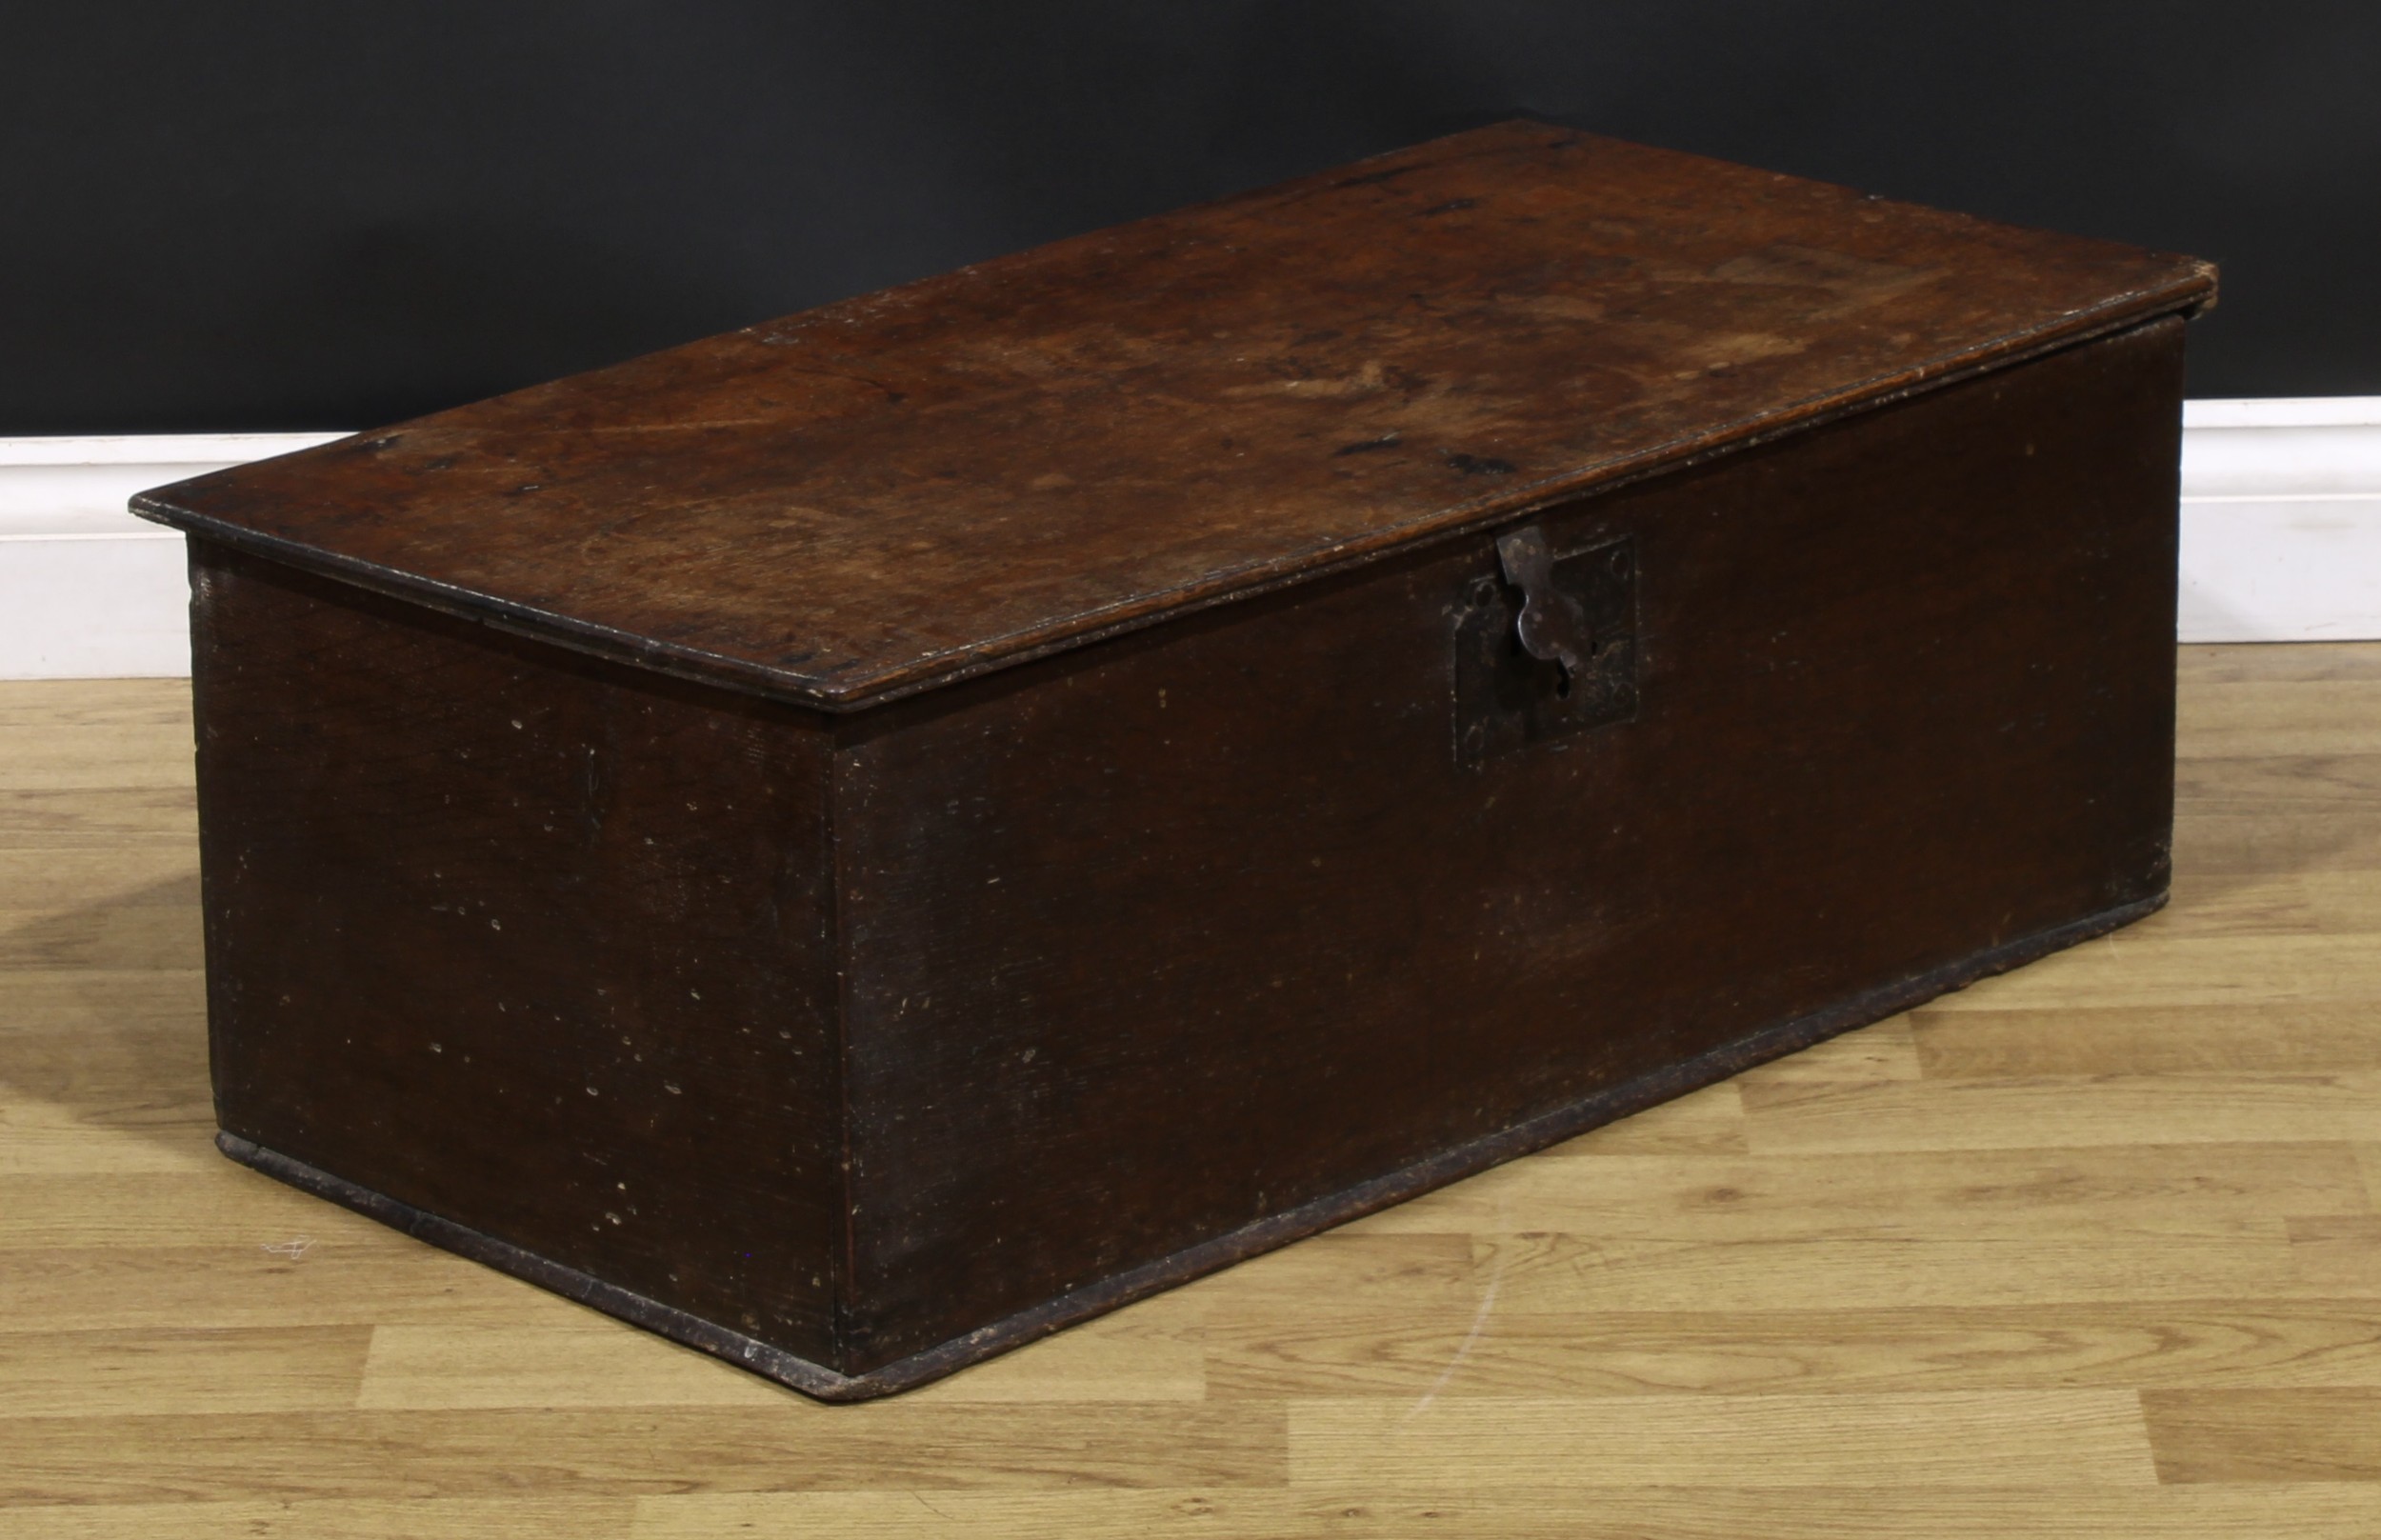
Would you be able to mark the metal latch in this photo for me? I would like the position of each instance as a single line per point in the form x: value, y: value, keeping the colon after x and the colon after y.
x: 1546, y: 646
x: 1551, y: 625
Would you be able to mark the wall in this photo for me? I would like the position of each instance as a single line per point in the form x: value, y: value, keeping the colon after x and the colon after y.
x: 282, y: 215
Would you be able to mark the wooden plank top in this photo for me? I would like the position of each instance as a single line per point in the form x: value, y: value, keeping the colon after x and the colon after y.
x: 866, y: 499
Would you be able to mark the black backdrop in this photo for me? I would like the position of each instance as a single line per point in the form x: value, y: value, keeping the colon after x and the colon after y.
x: 251, y: 216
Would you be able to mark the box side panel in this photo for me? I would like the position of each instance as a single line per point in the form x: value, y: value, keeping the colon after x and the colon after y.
x: 539, y: 945
x: 1192, y: 929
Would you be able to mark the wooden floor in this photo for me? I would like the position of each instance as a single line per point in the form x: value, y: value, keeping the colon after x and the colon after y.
x: 2089, y: 1250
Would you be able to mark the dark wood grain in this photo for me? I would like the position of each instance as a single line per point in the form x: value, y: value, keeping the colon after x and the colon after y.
x: 523, y: 939
x: 1151, y: 940
x: 912, y: 486
x: 853, y: 1030
x: 886, y: 1041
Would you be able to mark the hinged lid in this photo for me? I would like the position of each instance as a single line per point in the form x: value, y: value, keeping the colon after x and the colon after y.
x: 864, y: 500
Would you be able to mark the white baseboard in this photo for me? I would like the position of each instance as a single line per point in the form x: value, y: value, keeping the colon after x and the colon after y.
x: 2281, y: 535
x: 87, y: 590
x: 2282, y: 520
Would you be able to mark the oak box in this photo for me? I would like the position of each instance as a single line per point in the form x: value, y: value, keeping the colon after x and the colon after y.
x: 857, y: 842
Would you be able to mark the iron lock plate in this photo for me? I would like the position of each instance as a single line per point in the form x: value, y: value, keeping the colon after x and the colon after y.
x: 1546, y: 646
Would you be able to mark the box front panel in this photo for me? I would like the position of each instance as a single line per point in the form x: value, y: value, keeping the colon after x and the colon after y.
x: 1190, y: 928
x: 540, y: 945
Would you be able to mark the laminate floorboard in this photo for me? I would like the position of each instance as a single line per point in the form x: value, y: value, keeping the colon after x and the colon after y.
x: 2088, y: 1250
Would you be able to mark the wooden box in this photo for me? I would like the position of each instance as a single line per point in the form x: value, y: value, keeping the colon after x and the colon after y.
x: 860, y: 841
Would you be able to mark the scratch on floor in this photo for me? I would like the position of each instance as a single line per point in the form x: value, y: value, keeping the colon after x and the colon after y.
x: 1479, y: 1325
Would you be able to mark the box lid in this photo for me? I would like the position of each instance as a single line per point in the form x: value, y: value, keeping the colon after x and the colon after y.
x: 866, y: 499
